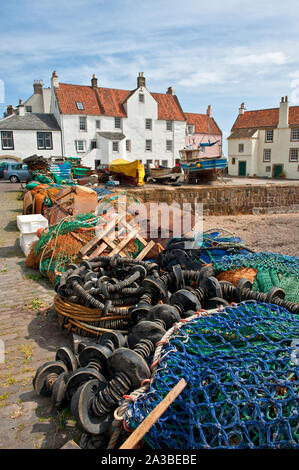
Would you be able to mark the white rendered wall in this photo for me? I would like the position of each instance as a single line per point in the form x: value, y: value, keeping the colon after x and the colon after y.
x: 25, y: 145
x: 254, y: 152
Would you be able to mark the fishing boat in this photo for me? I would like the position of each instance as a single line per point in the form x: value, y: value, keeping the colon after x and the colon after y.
x: 165, y: 174
x: 198, y: 167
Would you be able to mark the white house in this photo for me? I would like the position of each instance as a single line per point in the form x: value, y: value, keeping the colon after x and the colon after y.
x: 24, y: 134
x: 39, y: 102
x: 265, y: 142
x: 102, y: 124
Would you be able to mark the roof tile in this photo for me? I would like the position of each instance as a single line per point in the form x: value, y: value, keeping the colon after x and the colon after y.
x: 201, y: 124
x: 265, y: 118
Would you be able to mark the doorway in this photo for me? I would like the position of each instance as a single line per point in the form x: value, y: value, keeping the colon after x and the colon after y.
x: 242, y: 168
x: 277, y: 170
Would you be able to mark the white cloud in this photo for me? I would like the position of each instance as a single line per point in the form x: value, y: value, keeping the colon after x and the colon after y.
x: 267, y: 58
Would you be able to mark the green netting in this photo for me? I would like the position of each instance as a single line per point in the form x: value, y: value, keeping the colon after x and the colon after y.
x: 273, y: 269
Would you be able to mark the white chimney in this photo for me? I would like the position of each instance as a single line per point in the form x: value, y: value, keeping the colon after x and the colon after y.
x: 21, y: 108
x: 283, y: 113
x: 209, y: 111
x: 242, y: 109
x: 54, y: 80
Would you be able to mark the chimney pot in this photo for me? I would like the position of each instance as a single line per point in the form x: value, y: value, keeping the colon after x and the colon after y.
x: 170, y: 91
x: 209, y: 111
x: 141, y: 80
x: 9, y: 110
x: 21, y: 108
x: 37, y: 86
x: 94, y: 81
x: 286, y: 99
x: 55, y: 80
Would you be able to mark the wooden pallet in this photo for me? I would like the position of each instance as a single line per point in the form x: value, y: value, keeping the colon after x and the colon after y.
x: 105, y: 241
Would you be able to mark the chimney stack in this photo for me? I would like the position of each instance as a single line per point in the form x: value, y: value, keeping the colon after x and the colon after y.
x: 54, y: 80
x: 170, y: 91
x: 283, y: 121
x: 21, y: 108
x: 38, y: 87
x: 94, y: 81
x: 209, y: 111
x: 9, y: 110
x: 141, y: 80
x: 242, y: 109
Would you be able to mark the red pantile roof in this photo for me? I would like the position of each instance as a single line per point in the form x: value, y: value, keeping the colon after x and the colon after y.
x: 68, y: 95
x: 168, y: 107
x: 265, y: 118
x: 201, y: 124
x: 109, y: 102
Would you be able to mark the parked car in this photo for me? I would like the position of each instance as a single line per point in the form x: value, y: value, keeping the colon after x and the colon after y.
x: 15, y: 172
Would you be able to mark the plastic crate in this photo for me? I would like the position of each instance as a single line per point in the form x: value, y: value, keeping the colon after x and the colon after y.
x: 31, y: 223
x: 26, y: 241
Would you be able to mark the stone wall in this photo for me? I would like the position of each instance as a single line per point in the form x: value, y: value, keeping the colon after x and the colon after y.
x: 253, y: 199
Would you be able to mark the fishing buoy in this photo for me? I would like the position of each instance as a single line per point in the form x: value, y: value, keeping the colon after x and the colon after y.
x: 198, y: 165
x: 39, y: 232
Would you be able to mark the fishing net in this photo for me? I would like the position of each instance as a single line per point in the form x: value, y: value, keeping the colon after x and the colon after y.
x: 242, y: 382
x: 272, y: 269
x: 59, y: 244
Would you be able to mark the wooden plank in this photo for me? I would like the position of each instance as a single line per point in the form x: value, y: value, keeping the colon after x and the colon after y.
x: 85, y: 249
x: 145, y: 250
x: 138, y: 236
x: 124, y: 242
x: 154, y: 415
x: 70, y: 445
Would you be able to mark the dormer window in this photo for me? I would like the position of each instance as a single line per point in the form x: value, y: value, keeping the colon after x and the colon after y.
x: 79, y: 105
x: 141, y: 98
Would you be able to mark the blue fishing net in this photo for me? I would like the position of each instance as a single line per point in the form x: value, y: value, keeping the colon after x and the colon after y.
x: 242, y: 382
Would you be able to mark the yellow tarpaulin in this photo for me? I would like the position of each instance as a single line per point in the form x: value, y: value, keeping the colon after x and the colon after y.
x: 131, y: 169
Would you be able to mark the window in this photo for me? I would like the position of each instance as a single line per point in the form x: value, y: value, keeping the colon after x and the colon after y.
x: 97, y: 163
x: 82, y: 123
x: 295, y: 134
x: 149, y: 162
x: 169, y: 145
x: 44, y: 140
x: 268, y: 169
x: 93, y: 144
x: 169, y: 125
x: 28, y: 109
x: 148, y: 124
x: 233, y: 161
x: 79, y: 105
x: 98, y: 124
x: 7, y: 140
x: 141, y: 98
x: 269, y: 135
x: 190, y: 130
x: 164, y: 162
x: 117, y: 123
x: 148, y: 145
x: 80, y: 145
x: 128, y: 145
x: 115, y: 146
x: 267, y: 155
x: 293, y: 155
x: 241, y: 148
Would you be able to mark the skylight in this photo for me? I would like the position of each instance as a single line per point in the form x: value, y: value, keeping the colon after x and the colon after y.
x: 79, y: 105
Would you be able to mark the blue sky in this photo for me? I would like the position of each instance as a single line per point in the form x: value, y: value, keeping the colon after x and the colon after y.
x: 219, y: 52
